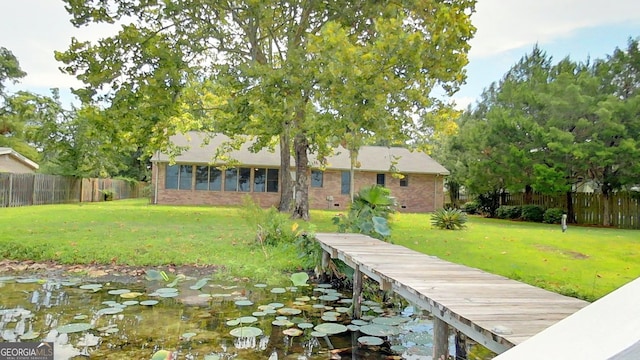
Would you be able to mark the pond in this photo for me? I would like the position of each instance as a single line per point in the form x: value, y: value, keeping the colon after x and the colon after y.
x: 182, y: 317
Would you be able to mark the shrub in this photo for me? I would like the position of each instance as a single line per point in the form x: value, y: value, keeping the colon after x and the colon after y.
x: 448, y: 219
x: 552, y: 216
x: 489, y: 203
x: 533, y: 213
x: 272, y: 226
x: 509, y: 212
x: 471, y: 207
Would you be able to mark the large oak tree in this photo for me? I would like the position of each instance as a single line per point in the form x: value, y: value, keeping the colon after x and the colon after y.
x: 266, y: 68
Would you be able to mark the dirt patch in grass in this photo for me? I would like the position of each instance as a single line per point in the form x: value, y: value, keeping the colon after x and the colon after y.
x: 573, y: 254
x: 99, y: 272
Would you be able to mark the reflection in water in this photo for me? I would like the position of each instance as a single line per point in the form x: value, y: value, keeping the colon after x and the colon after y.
x: 118, y: 321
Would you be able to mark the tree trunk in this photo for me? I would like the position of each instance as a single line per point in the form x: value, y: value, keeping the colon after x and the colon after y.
x: 528, y: 194
x: 353, y: 156
x: 570, y: 213
x: 286, y: 185
x: 606, y: 209
x: 301, y: 203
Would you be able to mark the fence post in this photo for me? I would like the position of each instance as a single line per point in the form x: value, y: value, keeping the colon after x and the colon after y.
x: 10, y: 190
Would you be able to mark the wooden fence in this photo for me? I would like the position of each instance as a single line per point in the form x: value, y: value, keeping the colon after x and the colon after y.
x: 40, y: 189
x: 588, y: 208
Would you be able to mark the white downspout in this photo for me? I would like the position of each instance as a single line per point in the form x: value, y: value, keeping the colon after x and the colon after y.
x: 435, y: 192
x: 155, y: 183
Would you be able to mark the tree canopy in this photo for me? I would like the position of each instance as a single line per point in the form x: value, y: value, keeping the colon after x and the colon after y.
x: 304, y: 72
x: 548, y: 127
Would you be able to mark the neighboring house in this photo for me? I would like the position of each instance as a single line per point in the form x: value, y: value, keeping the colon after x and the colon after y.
x: 197, y: 179
x: 13, y: 162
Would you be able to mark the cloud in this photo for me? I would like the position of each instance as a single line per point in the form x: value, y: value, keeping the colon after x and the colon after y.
x: 506, y: 25
x: 37, y: 29
x: 462, y: 102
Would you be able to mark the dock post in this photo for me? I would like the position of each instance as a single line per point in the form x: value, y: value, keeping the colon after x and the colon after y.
x: 461, y: 346
x: 326, y: 258
x: 440, y: 339
x: 357, y: 292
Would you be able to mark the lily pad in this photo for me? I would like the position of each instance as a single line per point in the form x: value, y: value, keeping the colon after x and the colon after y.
x: 305, y: 325
x: 162, y: 355
x: 300, y: 279
x: 419, y: 338
x: 109, y: 311
x: 289, y: 311
x: 27, y: 280
x: 282, y: 322
x: 390, y: 320
x: 168, y: 294
x: 199, y: 285
x: 379, y: 330
x: 292, y: 332
x: 73, y: 328
x: 328, y: 297
x: 130, y: 302
x: 118, y: 291
x: 131, y: 295
x: 166, y: 290
x: 330, y: 328
x: 248, y: 319
x: 278, y: 290
x: 188, y: 335
x: 149, y: 302
x: 244, y: 302
x: 246, y: 331
x: 233, y: 322
x: 318, y: 334
x: 260, y: 285
x: 94, y: 287
x: 370, y: 340
x: 276, y: 305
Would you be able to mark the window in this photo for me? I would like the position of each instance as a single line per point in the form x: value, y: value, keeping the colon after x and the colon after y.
x: 208, y: 178
x: 186, y: 172
x: 380, y: 179
x: 273, y: 176
x: 259, y: 180
x: 231, y: 180
x: 317, y: 178
x: 237, y: 179
x: 202, y: 178
x: 265, y: 180
x: 345, y: 186
x: 172, y: 175
x: 244, y: 179
x: 404, y: 182
x: 178, y: 177
x: 215, y: 179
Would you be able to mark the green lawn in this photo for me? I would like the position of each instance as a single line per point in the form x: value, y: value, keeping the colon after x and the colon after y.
x: 584, y: 262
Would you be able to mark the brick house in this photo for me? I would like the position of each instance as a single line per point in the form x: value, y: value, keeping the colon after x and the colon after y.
x: 13, y: 162
x: 197, y: 179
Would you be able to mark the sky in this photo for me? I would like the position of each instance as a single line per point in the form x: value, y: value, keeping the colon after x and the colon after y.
x: 506, y: 31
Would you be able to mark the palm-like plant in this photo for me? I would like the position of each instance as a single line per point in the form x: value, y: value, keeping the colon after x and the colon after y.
x: 451, y: 219
x: 369, y: 213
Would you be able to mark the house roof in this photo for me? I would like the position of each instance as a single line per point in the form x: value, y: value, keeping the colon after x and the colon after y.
x: 371, y: 158
x: 19, y: 157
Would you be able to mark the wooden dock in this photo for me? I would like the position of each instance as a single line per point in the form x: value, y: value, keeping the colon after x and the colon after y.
x: 494, y: 311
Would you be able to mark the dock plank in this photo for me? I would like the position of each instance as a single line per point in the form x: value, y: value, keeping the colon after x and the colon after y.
x: 471, y: 300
